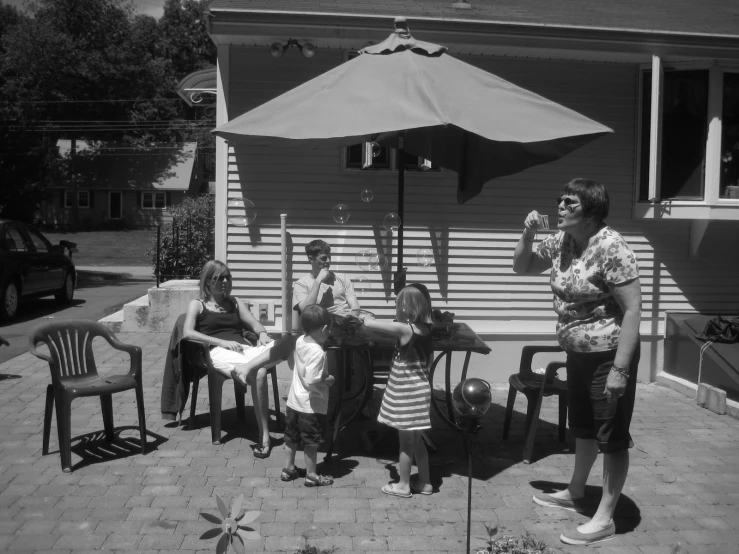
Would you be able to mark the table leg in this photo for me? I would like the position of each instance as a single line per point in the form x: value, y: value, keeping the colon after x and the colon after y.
x: 448, y: 386
x: 343, y: 375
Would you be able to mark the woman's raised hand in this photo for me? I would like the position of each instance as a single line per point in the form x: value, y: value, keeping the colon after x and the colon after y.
x: 532, y: 221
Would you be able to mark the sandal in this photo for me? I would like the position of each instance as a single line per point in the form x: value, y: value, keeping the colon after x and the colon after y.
x: 318, y: 481
x: 389, y: 489
x: 292, y: 474
x: 416, y: 490
x: 261, y: 451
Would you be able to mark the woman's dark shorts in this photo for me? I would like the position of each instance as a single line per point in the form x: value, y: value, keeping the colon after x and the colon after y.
x: 591, y: 416
x: 303, y: 428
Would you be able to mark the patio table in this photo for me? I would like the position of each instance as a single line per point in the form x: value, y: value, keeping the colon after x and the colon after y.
x: 349, y: 337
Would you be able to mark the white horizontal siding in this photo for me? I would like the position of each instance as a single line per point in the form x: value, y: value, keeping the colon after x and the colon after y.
x: 472, y: 243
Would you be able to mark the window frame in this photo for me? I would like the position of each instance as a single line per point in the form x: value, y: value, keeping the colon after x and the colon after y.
x: 154, y: 195
x: 80, y: 194
x: 711, y: 206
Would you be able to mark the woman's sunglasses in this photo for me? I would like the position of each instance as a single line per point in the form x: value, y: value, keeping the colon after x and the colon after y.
x: 570, y: 203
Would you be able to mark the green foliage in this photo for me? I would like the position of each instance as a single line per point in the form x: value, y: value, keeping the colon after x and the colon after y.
x: 187, y: 241
x: 93, y: 71
x: 526, y: 544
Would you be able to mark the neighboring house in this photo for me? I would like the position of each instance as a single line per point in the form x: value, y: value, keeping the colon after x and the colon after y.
x: 120, y: 186
x: 669, y: 166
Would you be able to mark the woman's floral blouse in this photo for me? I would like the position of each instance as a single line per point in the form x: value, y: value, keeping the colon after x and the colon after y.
x: 589, y: 316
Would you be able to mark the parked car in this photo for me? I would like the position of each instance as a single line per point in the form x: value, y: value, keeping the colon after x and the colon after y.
x: 31, y: 267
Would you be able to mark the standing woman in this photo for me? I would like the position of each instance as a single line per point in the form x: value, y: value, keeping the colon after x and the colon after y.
x: 597, y: 298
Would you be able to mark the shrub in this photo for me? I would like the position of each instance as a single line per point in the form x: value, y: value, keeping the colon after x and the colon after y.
x: 187, y: 241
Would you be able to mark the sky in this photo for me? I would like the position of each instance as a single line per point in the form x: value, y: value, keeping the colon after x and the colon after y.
x: 149, y: 7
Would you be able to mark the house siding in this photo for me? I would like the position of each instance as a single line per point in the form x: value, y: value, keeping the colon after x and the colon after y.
x: 472, y: 243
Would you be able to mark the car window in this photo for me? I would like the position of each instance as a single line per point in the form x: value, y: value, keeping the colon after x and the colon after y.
x: 41, y: 244
x: 14, y: 240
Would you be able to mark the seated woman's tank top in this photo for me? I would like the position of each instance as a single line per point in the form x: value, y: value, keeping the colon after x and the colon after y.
x: 221, y: 325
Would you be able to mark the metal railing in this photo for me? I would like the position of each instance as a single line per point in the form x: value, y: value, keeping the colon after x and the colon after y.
x: 183, y: 248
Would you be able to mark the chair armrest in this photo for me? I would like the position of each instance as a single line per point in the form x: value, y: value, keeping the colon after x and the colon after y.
x: 32, y: 350
x: 528, y: 353
x: 198, y: 353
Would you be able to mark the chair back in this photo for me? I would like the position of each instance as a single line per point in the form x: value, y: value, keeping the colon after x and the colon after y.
x: 528, y: 352
x: 70, y: 347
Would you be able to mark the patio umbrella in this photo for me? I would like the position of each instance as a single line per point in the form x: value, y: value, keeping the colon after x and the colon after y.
x: 411, y: 95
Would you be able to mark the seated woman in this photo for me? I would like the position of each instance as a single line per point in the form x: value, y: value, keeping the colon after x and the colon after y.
x: 218, y: 320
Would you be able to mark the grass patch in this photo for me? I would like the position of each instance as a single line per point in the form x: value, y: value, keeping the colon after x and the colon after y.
x: 108, y: 248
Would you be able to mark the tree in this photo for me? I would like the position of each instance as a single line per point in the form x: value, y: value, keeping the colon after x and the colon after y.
x: 185, y: 36
x: 90, y: 70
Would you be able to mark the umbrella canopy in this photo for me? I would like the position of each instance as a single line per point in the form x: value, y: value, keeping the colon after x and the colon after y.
x: 450, y: 112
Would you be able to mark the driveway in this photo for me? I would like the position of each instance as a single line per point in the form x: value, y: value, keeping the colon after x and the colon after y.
x: 101, y: 291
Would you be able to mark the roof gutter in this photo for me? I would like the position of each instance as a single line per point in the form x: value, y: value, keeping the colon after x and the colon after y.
x: 459, y: 25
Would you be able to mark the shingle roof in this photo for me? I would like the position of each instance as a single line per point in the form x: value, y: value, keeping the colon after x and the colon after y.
x: 711, y: 17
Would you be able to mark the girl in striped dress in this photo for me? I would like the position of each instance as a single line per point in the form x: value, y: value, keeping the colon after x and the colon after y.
x: 407, y: 399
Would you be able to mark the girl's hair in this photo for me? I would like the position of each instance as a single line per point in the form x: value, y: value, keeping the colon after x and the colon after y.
x: 208, y: 275
x: 412, y: 306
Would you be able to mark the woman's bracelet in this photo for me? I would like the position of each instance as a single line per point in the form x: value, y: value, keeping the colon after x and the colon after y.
x: 622, y: 370
x: 526, y: 236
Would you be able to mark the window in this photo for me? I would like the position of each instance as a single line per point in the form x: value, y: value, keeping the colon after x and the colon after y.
x: 41, y: 244
x: 699, y: 157
x: 368, y: 155
x: 14, y: 240
x: 83, y: 198
x: 153, y: 200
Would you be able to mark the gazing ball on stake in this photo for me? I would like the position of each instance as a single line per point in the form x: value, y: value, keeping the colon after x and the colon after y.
x: 241, y: 212
x: 471, y: 399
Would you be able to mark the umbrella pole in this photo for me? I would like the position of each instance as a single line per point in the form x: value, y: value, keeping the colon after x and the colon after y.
x: 399, y: 278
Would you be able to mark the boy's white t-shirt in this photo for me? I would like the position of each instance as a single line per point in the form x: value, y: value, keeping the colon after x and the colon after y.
x: 308, y: 393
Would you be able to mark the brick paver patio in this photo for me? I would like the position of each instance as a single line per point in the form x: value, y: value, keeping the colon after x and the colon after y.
x: 683, y: 485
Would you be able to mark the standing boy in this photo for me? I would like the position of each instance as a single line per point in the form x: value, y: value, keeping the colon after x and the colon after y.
x: 307, y: 402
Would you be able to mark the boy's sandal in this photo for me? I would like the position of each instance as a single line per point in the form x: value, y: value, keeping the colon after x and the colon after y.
x: 261, y: 451
x: 292, y: 474
x: 319, y: 481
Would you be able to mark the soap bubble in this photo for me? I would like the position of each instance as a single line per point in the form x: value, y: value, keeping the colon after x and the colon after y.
x: 378, y: 260
x: 425, y: 257
x: 363, y: 259
x: 367, y: 195
x: 391, y: 222
x: 240, y: 211
x: 341, y: 213
x: 362, y: 284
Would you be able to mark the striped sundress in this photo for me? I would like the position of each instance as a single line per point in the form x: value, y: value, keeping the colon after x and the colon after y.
x: 407, y: 398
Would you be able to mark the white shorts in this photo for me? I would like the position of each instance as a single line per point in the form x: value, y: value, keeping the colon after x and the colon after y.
x: 225, y: 360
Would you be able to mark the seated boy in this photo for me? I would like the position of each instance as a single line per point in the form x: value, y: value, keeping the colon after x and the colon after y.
x: 322, y: 286
x: 307, y: 402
